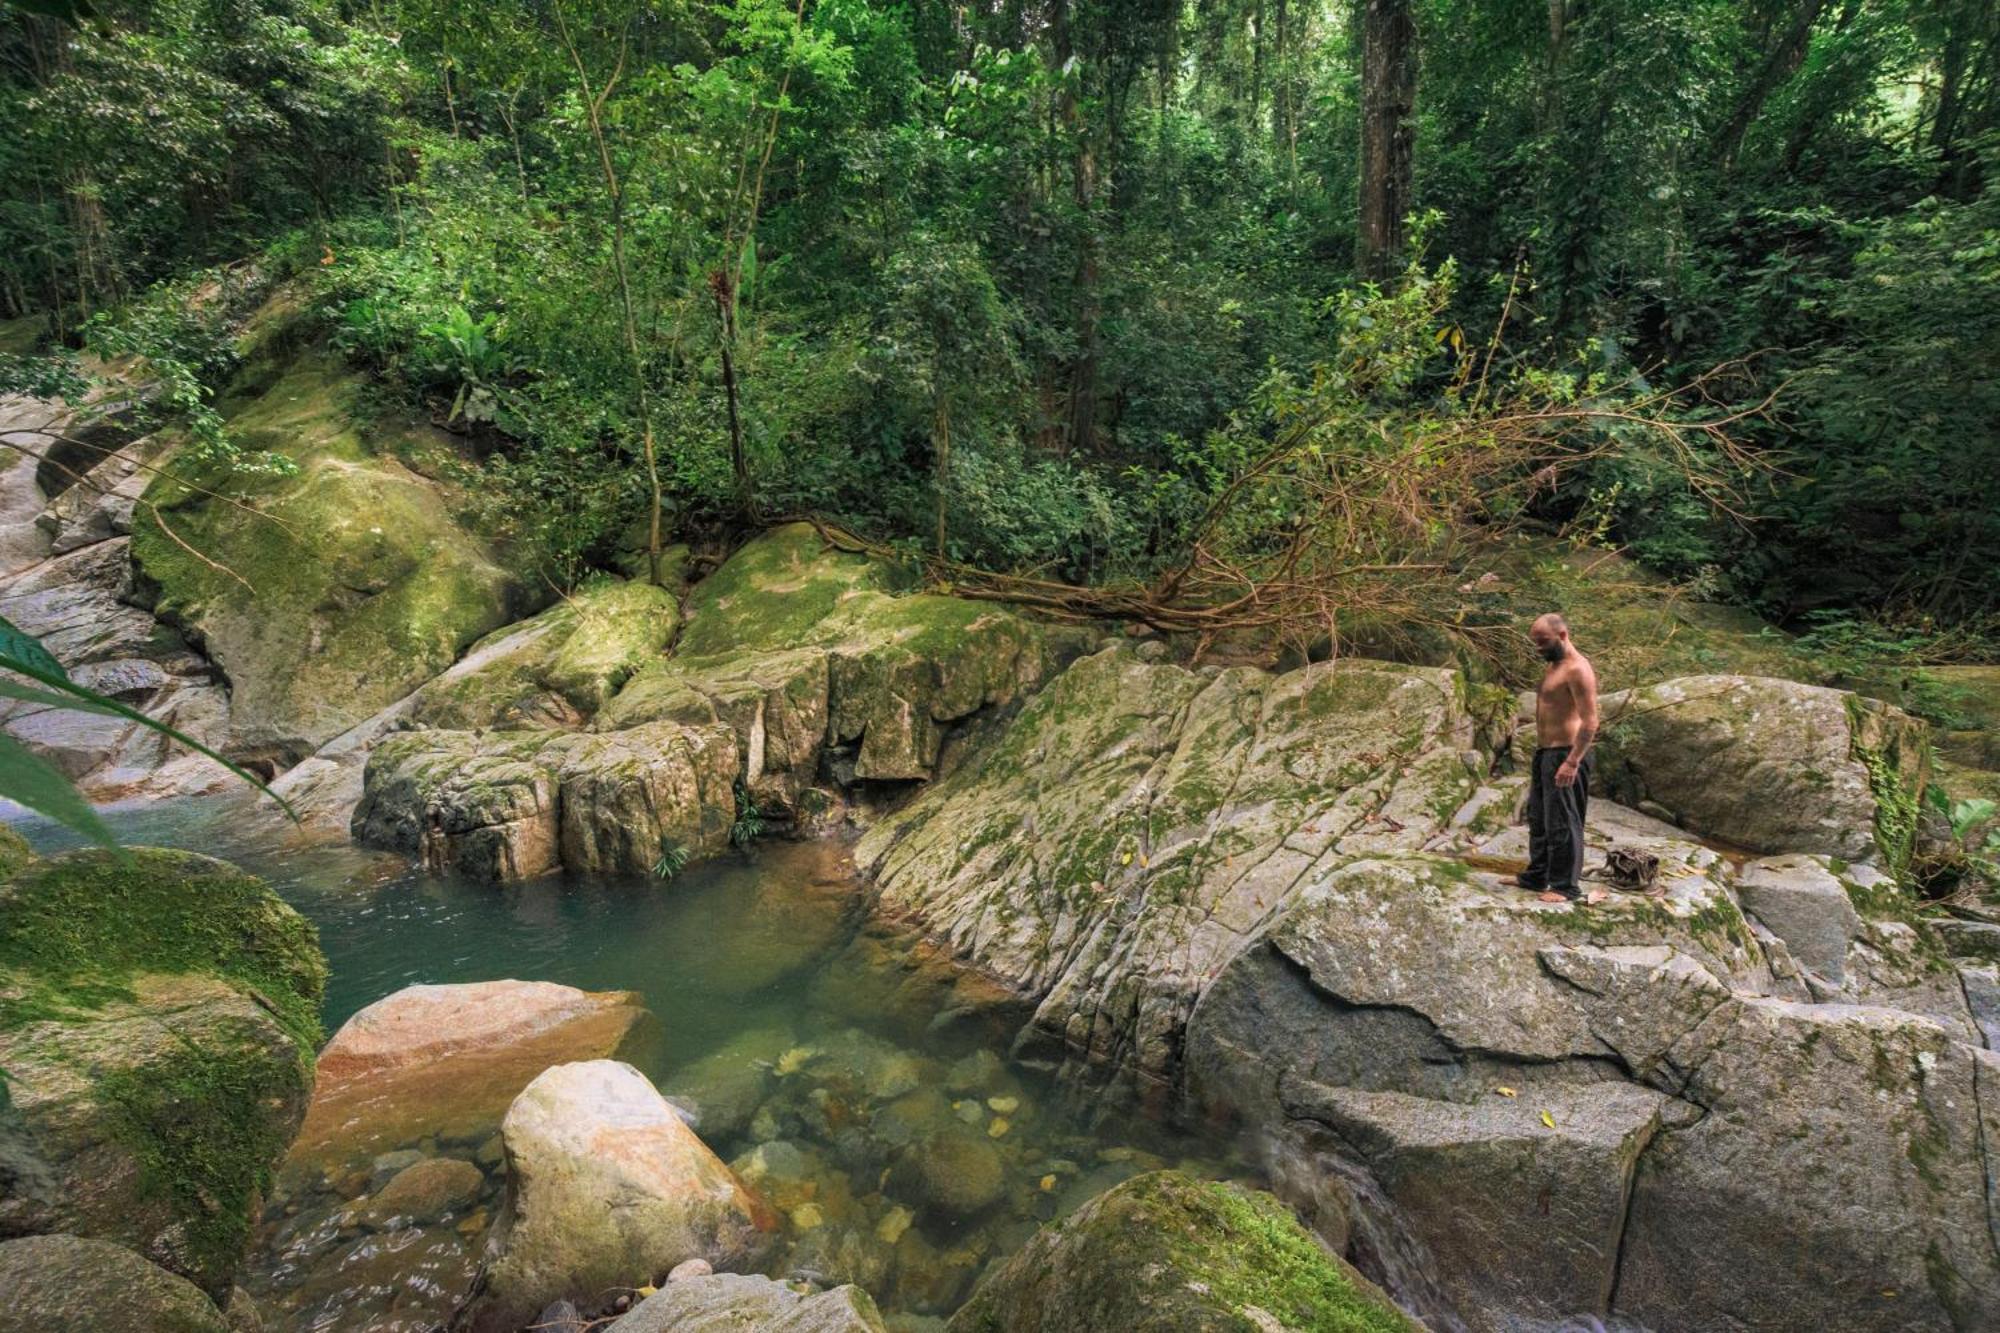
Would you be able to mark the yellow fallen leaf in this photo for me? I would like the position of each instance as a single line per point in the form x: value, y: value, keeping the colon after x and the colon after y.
x: 645, y: 1291
x: 1145, y: 861
x: 1506, y: 1092
x: 1125, y: 859
x: 1548, y: 1120
x: 1048, y: 1183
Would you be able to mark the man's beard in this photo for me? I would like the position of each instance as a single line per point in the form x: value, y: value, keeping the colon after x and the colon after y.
x: 1555, y: 652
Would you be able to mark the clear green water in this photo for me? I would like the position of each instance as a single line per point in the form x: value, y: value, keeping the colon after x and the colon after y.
x: 857, y: 1081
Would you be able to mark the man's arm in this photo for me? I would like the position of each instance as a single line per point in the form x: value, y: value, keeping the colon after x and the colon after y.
x: 1583, y: 692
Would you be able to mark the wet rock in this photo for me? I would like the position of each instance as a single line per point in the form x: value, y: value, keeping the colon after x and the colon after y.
x: 65, y: 1284
x: 605, y: 1185
x: 422, y: 1193
x: 241, y: 1313
x: 446, y: 1061
x: 1982, y: 997
x: 955, y: 1170
x: 1978, y: 940
x: 157, y: 1020
x: 726, y: 1085
x: 1769, y: 765
x: 1167, y: 1254
x: 729, y: 1302
x: 561, y: 1317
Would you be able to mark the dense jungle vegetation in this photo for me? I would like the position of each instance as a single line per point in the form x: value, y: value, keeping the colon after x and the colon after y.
x: 1205, y: 300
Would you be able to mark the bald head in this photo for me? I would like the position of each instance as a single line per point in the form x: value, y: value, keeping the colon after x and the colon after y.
x: 1550, y: 634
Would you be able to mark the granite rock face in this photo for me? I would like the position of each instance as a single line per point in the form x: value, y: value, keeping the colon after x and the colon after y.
x: 1280, y: 900
x: 799, y: 668
x: 68, y: 1284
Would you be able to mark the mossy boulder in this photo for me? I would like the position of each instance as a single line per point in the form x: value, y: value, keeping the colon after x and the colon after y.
x: 1770, y: 765
x: 362, y: 584
x: 1166, y: 1253
x: 158, y: 1014
x: 69, y: 1284
x: 560, y: 666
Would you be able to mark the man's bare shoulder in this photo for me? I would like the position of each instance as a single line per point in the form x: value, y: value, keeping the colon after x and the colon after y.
x: 1581, y: 673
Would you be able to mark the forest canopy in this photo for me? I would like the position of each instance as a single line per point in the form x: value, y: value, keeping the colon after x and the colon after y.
x: 1032, y: 287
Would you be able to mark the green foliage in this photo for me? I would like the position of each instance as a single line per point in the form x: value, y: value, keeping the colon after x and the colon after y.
x: 749, y: 825
x: 673, y: 859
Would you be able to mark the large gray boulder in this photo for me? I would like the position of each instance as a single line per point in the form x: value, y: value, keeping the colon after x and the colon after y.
x: 745, y: 1303
x: 1137, y: 823
x: 1165, y: 1253
x: 158, y: 1015
x: 68, y: 1284
x: 1770, y: 765
x: 606, y: 1187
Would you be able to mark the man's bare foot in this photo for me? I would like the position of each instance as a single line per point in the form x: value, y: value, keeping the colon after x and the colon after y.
x: 1551, y: 896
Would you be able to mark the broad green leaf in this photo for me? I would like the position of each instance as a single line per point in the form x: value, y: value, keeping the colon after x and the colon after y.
x: 26, y: 648
x: 28, y: 779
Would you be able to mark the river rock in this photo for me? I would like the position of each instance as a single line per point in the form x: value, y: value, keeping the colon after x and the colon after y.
x: 361, y: 582
x: 740, y: 1303
x: 954, y: 1170
x: 1770, y: 765
x: 422, y: 1193
x: 1137, y: 823
x: 157, y: 1019
x: 606, y: 1186
x: 445, y: 1062
x: 68, y: 1284
x: 513, y: 805
x: 1165, y: 1253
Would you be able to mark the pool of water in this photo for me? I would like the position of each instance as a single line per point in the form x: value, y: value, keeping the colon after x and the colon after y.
x: 859, y: 1082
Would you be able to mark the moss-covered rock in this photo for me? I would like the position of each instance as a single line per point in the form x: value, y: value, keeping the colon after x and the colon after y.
x: 158, y: 1014
x: 1165, y: 1253
x: 560, y: 666
x: 362, y: 584
x: 68, y: 1284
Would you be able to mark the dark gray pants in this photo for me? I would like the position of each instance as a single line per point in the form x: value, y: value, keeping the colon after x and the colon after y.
x: 1555, y: 822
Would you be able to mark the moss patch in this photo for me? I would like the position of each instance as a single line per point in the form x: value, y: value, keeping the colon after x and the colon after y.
x: 1166, y: 1251
x: 75, y: 930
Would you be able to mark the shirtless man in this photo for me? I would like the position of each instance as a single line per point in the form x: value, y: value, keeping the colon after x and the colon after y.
x: 1558, y: 792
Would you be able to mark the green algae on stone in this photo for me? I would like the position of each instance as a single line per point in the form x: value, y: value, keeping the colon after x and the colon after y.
x: 14, y: 851
x: 574, y: 656
x: 1166, y: 1253
x: 158, y: 1015
x: 362, y: 583
x: 75, y: 928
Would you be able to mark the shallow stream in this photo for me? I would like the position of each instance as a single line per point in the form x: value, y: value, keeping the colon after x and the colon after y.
x: 859, y: 1084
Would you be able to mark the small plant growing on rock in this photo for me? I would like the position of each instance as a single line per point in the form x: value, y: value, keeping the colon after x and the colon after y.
x: 749, y: 825
x: 673, y: 859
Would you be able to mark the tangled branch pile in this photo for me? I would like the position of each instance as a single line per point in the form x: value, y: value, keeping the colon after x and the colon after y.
x: 1384, y: 478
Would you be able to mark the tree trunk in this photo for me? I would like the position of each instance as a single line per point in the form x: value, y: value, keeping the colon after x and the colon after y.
x: 1779, y: 64
x: 1388, y: 131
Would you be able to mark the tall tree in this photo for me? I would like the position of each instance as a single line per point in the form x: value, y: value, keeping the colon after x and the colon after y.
x: 1388, y: 134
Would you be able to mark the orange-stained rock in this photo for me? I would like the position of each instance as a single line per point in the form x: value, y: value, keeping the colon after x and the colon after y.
x: 446, y: 1061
